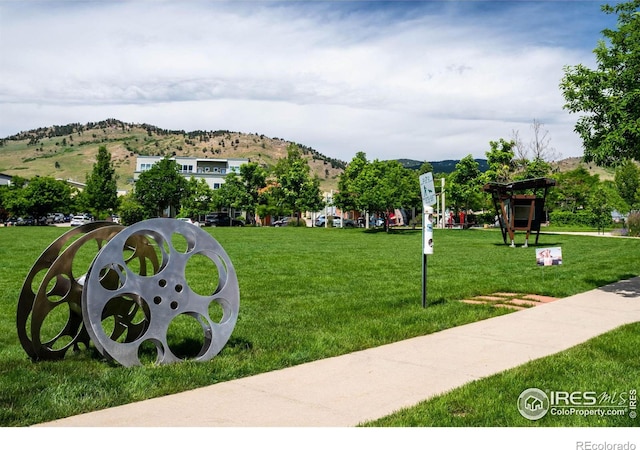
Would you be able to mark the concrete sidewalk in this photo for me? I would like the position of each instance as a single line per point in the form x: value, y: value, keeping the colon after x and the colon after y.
x: 347, y: 390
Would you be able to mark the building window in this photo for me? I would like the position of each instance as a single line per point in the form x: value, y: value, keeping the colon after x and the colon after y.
x: 216, y: 185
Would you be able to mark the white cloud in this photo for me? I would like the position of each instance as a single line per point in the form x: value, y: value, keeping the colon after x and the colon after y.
x: 423, y: 81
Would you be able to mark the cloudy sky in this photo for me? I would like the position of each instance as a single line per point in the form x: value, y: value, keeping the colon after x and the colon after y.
x: 425, y: 80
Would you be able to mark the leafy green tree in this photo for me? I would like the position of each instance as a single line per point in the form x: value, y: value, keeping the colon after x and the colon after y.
x: 600, y: 209
x: 4, y: 212
x: 500, y: 161
x: 613, y: 196
x: 573, y: 189
x: 198, y: 199
x: 610, y: 94
x: 465, y: 185
x: 536, y: 168
x: 232, y: 194
x: 269, y: 205
x: 12, y: 201
x: 160, y: 187
x: 627, y: 181
x: 254, y: 178
x: 425, y: 167
x: 44, y: 195
x: 296, y: 189
x: 347, y: 198
x: 101, y: 191
x: 131, y: 211
x: 383, y: 186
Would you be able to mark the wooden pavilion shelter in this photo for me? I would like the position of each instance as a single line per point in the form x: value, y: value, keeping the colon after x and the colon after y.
x: 519, y: 206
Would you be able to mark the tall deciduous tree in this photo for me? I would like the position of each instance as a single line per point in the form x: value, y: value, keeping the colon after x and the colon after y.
x: 382, y: 186
x: 600, y: 208
x: 347, y: 198
x: 296, y: 189
x: 574, y: 189
x: 232, y: 194
x: 44, y: 195
x: 160, y: 187
x: 254, y: 178
x: 101, y: 192
x: 627, y: 181
x: 465, y: 183
x: 500, y: 160
x: 609, y: 95
x: 198, y: 199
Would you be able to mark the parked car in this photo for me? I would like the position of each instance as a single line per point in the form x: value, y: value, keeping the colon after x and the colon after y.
x: 221, y: 220
x: 45, y: 220
x: 348, y: 223
x: 320, y: 220
x: 22, y: 221
x: 336, y: 221
x: 373, y: 222
x: 188, y: 220
x: 79, y: 220
x: 282, y: 222
x: 58, y: 218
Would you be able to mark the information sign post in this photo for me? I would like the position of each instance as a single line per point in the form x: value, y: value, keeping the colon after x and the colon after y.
x: 428, y: 200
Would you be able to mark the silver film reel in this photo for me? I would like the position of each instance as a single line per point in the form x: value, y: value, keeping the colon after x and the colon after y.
x: 150, y: 276
x: 49, y: 320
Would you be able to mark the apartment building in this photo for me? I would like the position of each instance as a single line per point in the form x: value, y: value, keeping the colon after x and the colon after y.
x: 212, y: 170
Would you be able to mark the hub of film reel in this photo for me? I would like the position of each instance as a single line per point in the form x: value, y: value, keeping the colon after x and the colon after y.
x: 144, y: 280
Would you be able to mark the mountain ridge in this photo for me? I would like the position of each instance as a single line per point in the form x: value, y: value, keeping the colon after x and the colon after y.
x: 69, y: 151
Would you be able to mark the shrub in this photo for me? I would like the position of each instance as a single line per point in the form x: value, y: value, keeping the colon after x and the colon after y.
x: 293, y: 222
x: 562, y: 218
x: 633, y: 224
x: 131, y: 211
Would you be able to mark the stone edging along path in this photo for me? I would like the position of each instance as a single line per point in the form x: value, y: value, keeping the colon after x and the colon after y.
x: 511, y: 300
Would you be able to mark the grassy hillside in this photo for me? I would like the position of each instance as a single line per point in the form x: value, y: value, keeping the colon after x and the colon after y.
x: 573, y: 163
x: 69, y: 152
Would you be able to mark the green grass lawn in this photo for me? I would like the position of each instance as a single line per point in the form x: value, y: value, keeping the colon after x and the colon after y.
x: 607, y: 364
x: 305, y: 294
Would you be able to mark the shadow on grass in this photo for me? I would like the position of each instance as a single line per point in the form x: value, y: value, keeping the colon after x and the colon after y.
x: 436, y: 302
x: 394, y: 231
x: 628, y: 287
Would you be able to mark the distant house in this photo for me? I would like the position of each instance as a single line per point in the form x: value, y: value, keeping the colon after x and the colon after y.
x: 5, y: 180
x: 212, y: 170
x: 76, y: 184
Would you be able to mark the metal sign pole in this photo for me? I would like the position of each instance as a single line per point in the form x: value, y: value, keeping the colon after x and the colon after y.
x: 424, y: 281
x: 428, y: 199
x: 427, y: 248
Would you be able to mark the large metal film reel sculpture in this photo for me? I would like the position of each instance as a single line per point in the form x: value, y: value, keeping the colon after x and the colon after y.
x: 58, y: 294
x: 163, y: 296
